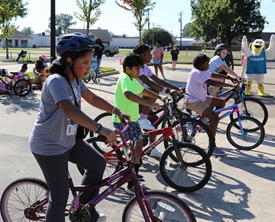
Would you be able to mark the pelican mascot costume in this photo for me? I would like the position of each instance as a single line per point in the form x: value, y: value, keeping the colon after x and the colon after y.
x: 256, y: 63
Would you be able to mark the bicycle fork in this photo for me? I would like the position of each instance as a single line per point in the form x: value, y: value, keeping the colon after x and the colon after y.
x: 144, y: 203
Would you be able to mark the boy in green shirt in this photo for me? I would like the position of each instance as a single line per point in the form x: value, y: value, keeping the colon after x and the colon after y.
x: 128, y: 100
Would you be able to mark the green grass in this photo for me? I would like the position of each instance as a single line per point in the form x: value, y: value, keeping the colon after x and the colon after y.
x: 102, y: 70
x: 185, y: 57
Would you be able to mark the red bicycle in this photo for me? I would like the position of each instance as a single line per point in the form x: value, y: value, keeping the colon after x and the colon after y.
x: 183, y: 166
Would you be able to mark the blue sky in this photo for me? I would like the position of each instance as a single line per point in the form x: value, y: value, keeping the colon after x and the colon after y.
x: 118, y: 21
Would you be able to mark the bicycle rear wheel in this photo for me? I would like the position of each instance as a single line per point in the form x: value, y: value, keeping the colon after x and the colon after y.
x: 250, y: 139
x: 198, y: 134
x: 190, y: 175
x: 22, y: 87
x: 165, y: 207
x: 252, y: 107
x: 21, y: 195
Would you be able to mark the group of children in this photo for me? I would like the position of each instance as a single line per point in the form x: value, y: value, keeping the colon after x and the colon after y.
x: 53, y: 139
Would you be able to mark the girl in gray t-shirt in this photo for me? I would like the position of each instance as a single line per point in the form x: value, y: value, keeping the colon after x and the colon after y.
x: 53, y: 138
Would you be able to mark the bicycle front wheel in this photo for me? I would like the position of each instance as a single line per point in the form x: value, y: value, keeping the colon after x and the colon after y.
x: 22, y: 87
x: 247, y: 138
x: 19, y: 196
x: 252, y: 107
x: 164, y: 206
x: 188, y: 173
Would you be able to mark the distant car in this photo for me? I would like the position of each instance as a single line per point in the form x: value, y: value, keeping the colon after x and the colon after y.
x: 110, y: 50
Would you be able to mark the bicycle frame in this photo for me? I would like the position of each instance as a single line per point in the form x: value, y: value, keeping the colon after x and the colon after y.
x: 231, y: 109
x: 113, y: 182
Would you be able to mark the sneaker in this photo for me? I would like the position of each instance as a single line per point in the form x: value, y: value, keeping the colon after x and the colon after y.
x: 130, y: 189
x: 145, y: 124
x: 218, y: 151
x: 102, y: 218
x: 140, y: 177
x: 155, y: 153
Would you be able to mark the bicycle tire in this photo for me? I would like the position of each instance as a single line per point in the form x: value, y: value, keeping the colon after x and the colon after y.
x: 252, y: 107
x: 165, y: 206
x: 22, y: 87
x: 20, y: 195
x: 106, y: 120
x: 200, y: 136
x: 251, y: 139
x: 194, y: 173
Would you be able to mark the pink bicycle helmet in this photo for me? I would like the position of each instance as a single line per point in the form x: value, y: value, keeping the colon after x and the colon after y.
x: 43, y: 58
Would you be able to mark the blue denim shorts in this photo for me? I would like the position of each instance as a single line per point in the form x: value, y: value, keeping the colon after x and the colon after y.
x: 134, y: 133
x: 156, y: 61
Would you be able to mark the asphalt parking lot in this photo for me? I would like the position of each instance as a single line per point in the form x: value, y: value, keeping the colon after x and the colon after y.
x: 242, y: 186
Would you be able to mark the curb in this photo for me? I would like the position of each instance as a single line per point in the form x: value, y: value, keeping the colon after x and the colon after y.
x: 109, y: 73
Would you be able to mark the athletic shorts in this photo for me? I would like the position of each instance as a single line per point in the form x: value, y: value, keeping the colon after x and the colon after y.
x: 156, y: 61
x: 134, y: 133
x: 257, y: 77
x: 200, y: 106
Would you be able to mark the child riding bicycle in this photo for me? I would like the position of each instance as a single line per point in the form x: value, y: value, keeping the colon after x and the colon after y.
x: 127, y: 99
x: 196, y: 93
x: 54, y: 141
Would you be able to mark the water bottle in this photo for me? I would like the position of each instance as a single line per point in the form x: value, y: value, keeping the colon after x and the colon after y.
x: 189, y: 128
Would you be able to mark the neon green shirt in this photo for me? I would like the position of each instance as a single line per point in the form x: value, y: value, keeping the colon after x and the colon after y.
x: 124, y: 84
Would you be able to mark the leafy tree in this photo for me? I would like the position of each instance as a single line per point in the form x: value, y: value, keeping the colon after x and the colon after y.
x: 225, y: 20
x: 9, y: 10
x: 62, y: 22
x: 27, y: 31
x: 149, y: 37
x: 186, y: 31
x: 139, y: 9
x: 86, y: 9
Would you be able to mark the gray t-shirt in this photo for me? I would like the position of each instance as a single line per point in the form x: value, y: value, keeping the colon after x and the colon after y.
x: 53, y: 132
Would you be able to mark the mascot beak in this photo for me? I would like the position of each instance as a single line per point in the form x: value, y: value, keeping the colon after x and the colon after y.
x: 257, y: 46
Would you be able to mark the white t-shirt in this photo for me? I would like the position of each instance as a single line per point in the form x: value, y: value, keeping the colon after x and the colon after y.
x: 215, y: 64
x: 145, y: 71
x: 196, y: 88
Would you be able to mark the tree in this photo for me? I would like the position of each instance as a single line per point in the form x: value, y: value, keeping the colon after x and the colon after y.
x: 225, y: 20
x: 9, y: 10
x: 87, y: 9
x: 62, y: 22
x: 149, y: 37
x: 139, y: 9
x: 187, y: 29
x: 27, y: 31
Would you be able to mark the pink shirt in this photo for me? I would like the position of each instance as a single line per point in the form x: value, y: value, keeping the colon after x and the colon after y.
x: 158, y: 52
x: 244, y: 59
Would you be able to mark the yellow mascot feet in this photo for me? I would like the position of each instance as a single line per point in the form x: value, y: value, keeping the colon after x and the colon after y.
x: 261, y: 91
x: 248, y: 88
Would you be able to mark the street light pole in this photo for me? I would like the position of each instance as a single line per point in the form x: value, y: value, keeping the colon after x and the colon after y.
x: 153, y: 41
x: 180, y: 21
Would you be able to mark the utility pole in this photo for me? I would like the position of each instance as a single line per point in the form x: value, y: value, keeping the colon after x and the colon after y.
x: 180, y: 21
x: 53, y: 56
x: 148, y: 19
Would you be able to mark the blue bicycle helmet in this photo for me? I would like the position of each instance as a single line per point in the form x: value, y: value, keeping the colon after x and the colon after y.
x: 74, y: 42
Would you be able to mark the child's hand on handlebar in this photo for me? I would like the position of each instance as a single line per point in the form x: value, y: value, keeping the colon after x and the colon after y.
x: 122, y: 116
x: 155, y: 106
x: 174, y: 93
x: 109, y: 134
x: 236, y: 86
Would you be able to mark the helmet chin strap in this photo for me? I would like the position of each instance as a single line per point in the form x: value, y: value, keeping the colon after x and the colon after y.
x: 72, y: 70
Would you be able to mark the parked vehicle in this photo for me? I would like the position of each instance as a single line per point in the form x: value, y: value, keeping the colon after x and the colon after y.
x: 110, y: 50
